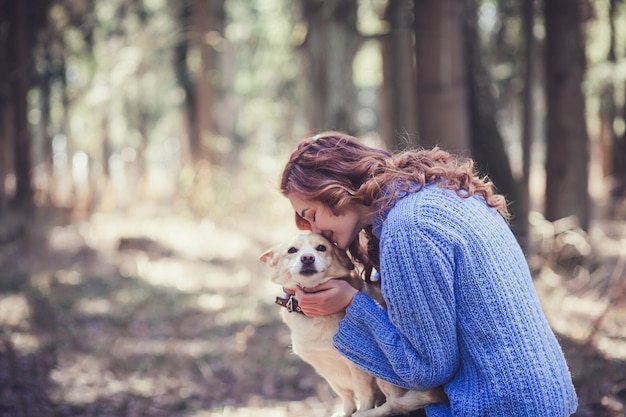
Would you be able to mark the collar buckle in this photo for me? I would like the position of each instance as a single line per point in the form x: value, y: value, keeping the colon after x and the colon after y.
x: 291, y: 304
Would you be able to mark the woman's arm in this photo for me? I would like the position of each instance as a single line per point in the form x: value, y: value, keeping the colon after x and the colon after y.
x: 413, y: 344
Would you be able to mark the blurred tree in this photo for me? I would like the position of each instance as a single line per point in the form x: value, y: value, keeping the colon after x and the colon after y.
x: 6, y: 166
x: 19, y: 75
x: 183, y: 74
x: 618, y: 143
x: 608, y: 111
x: 201, y: 24
x: 567, y: 156
x: 486, y: 140
x: 45, y: 80
x: 441, y: 79
x: 35, y: 60
x: 202, y: 19
x: 399, y: 98
x: 527, y: 9
x: 329, y: 49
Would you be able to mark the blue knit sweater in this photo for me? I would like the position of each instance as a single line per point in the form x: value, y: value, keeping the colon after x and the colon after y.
x: 462, y: 313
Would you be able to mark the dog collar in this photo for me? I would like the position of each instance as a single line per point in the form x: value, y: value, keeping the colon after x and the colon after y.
x: 291, y: 304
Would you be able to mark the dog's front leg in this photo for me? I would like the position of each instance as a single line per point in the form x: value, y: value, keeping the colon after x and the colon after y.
x: 349, y: 408
x: 347, y: 398
x: 365, y: 388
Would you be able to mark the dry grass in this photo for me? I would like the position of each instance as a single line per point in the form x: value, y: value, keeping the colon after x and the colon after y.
x: 150, y: 312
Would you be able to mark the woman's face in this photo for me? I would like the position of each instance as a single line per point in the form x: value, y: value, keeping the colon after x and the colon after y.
x: 340, y: 229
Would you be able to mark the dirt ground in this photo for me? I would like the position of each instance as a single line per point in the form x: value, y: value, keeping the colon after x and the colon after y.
x: 151, y: 312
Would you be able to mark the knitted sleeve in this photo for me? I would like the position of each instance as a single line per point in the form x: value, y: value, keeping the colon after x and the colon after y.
x: 413, y: 344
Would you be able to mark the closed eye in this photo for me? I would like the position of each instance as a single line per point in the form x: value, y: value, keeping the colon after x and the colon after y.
x: 321, y: 248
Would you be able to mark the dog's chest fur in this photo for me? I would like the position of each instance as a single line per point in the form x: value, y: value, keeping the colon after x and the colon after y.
x: 313, y: 334
x: 312, y: 340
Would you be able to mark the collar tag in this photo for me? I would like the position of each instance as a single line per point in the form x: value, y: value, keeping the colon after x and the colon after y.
x: 291, y: 304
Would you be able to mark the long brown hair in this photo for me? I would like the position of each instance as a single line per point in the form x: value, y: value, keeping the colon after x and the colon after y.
x: 337, y: 170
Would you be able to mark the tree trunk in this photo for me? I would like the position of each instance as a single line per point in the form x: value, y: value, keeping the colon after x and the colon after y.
x: 181, y: 69
x: 488, y: 148
x: 399, y: 108
x: 441, y: 80
x: 567, y: 156
x: 6, y: 150
x: 5, y: 107
x: 203, y: 89
x: 70, y: 147
x: 618, y: 191
x: 330, y: 47
x: 607, y: 102
x: 19, y: 74
x: 528, y: 119
x: 45, y: 146
x: 618, y: 145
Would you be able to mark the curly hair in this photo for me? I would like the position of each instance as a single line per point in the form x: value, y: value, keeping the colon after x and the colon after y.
x: 337, y: 170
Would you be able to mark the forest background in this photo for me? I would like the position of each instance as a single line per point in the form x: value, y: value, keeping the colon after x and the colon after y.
x: 140, y: 147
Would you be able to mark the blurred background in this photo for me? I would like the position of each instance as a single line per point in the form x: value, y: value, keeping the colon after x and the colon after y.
x: 141, y: 143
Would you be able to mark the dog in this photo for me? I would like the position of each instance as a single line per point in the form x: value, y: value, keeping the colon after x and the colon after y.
x: 307, y: 261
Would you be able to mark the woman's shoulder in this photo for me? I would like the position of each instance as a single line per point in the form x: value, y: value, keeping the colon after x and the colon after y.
x: 435, y: 197
x: 430, y: 199
x: 434, y: 206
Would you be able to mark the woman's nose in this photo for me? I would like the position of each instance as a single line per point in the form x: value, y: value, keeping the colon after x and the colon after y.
x: 315, y: 229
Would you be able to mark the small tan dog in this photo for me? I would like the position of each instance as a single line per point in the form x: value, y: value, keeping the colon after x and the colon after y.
x: 309, y: 260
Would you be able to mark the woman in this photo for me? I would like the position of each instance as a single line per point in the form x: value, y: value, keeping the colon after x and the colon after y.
x: 462, y: 311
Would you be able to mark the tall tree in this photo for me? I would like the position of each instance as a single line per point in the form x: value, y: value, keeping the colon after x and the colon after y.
x: 19, y: 73
x: 567, y: 156
x: 528, y: 14
x: 201, y: 22
x: 5, y: 99
x: 203, y: 91
x: 21, y: 21
x: 330, y: 46
x: 618, y: 145
x: 607, y: 136
x: 399, y: 108
x: 182, y: 71
x: 486, y: 140
x: 441, y: 80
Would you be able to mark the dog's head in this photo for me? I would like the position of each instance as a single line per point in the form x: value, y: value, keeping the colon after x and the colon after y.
x: 307, y: 260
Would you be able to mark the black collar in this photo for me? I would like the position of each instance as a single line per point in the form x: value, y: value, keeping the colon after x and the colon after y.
x: 291, y: 304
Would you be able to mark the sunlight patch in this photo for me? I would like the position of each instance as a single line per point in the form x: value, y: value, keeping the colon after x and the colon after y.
x: 128, y: 347
x: 211, y: 302
x: 25, y: 343
x: 14, y: 311
x: 93, y: 306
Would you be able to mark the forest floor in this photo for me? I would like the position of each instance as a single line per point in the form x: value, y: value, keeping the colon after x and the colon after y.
x: 149, y: 312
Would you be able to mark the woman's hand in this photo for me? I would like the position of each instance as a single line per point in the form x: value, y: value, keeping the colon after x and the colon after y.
x: 328, y: 298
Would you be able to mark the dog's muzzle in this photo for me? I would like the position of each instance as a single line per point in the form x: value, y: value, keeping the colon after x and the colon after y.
x: 307, y: 265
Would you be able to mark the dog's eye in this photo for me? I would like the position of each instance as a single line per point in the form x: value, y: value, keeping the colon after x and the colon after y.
x: 292, y: 250
x: 321, y: 248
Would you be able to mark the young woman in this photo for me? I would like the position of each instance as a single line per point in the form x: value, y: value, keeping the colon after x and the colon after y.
x: 462, y: 311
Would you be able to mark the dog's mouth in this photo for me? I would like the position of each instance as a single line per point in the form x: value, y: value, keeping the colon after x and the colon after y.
x: 308, y: 270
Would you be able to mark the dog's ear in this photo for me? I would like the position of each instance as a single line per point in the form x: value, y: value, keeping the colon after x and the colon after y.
x: 269, y: 257
x: 342, y: 265
x: 345, y: 260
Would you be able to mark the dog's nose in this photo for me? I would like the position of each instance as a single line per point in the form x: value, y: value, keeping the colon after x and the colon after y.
x: 307, y: 259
